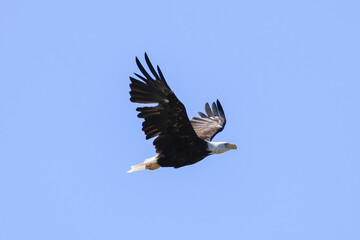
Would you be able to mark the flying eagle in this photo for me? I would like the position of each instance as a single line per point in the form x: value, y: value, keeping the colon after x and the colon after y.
x: 179, y: 142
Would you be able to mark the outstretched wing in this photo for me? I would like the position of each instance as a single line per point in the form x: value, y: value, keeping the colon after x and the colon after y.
x: 209, y: 125
x: 168, y: 120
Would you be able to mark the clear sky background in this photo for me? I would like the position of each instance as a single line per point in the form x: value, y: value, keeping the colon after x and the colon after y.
x: 287, y: 74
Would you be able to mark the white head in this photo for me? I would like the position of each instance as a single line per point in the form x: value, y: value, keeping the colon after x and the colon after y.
x: 220, y: 147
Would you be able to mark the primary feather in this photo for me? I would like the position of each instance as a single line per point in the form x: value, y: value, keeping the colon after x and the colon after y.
x: 211, y: 124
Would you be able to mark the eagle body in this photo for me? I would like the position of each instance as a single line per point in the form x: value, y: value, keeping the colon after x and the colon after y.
x: 183, y: 153
x: 179, y: 142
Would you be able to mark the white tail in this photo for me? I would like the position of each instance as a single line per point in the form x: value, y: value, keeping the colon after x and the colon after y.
x: 138, y: 167
x: 150, y: 163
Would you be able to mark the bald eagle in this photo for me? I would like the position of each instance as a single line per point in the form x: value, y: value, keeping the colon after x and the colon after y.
x: 179, y: 142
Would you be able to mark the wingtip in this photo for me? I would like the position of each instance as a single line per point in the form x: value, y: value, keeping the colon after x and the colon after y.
x: 202, y: 115
x: 221, y: 110
x: 208, y: 110
x: 218, y: 103
x: 146, y: 56
x: 215, y: 109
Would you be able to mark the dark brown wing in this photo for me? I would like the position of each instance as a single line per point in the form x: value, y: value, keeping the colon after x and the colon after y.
x: 168, y: 120
x: 209, y: 125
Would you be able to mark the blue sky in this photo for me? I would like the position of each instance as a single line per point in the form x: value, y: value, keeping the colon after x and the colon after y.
x: 286, y: 72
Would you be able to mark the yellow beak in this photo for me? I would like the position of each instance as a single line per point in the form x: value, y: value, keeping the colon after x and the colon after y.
x: 233, y: 146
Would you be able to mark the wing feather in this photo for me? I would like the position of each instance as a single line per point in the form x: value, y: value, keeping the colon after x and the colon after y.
x: 167, y: 120
x: 202, y: 115
x: 209, y: 125
x: 208, y: 110
x: 214, y: 109
x: 151, y: 67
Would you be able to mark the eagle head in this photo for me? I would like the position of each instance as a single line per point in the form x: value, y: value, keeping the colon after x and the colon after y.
x: 220, y: 147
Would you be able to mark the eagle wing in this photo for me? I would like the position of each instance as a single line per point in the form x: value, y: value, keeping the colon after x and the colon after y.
x: 207, y: 126
x: 167, y: 120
